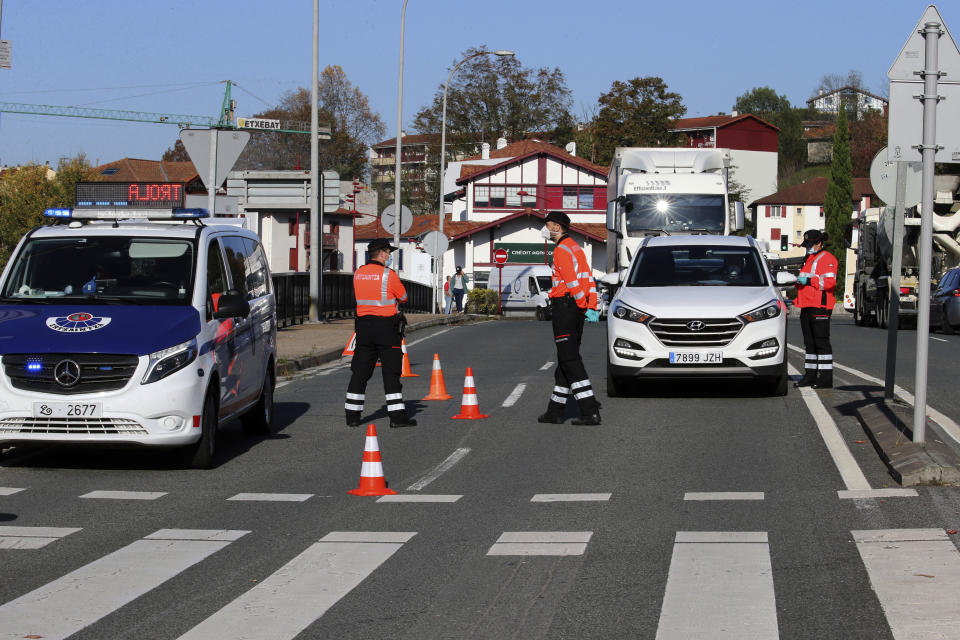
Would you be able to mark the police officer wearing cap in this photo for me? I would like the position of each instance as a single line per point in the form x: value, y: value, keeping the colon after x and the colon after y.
x: 573, y: 299
x: 379, y: 292
x: 815, y: 299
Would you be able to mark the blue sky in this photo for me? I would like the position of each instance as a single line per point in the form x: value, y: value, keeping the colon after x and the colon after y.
x: 168, y: 55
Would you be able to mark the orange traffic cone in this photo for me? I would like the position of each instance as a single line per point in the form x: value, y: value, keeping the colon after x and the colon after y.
x: 351, y: 345
x: 371, y: 473
x: 438, y: 390
x: 469, y: 408
x: 405, y: 371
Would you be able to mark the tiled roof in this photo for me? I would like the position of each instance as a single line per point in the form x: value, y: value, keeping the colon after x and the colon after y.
x: 522, y: 149
x: 420, y: 226
x: 136, y: 170
x: 814, y: 192
x: 710, y: 122
x: 415, y: 138
x: 820, y: 132
x: 848, y: 89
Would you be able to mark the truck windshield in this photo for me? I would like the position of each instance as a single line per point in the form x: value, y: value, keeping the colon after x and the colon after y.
x: 675, y: 213
x: 698, y: 265
x: 111, y: 270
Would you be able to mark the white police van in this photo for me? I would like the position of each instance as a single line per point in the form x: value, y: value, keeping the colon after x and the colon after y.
x: 136, y: 331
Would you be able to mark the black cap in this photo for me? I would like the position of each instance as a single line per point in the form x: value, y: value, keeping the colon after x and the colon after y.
x: 559, y: 217
x: 378, y: 244
x: 813, y: 237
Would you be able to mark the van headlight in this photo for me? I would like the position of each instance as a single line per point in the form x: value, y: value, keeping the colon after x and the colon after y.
x: 766, y: 312
x: 622, y: 311
x: 167, y: 361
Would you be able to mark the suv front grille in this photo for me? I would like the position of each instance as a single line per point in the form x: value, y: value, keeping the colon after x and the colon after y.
x: 98, y: 372
x: 677, y: 332
x: 71, y: 425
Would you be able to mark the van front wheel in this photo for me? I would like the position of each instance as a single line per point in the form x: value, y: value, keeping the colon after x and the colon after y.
x: 258, y: 420
x: 199, y: 455
x: 540, y: 314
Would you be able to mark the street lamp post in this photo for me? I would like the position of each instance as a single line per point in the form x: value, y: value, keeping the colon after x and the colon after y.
x: 396, y: 167
x: 443, y: 144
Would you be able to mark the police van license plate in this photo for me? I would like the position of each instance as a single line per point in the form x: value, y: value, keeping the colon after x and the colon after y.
x: 67, y: 410
x: 696, y: 357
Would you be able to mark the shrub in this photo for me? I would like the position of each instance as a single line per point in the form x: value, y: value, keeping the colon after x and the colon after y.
x: 482, y: 301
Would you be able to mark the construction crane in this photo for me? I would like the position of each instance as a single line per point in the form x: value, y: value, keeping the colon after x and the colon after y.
x: 226, y: 119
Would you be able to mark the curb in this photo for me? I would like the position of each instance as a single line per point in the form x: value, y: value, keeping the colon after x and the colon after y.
x: 289, y: 367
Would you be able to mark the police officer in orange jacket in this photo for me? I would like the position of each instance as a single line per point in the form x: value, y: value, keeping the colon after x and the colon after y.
x: 379, y: 292
x: 573, y: 299
x: 815, y: 299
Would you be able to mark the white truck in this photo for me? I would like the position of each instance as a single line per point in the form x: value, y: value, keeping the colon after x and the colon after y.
x: 669, y: 191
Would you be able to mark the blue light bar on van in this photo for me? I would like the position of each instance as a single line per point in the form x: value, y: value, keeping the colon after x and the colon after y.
x: 190, y: 214
x: 58, y: 213
x: 127, y: 214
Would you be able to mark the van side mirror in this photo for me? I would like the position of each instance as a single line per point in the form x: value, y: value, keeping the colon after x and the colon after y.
x: 232, y: 304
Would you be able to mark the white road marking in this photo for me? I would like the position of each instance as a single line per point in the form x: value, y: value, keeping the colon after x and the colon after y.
x: 419, y: 497
x: 541, y: 543
x: 31, y: 537
x: 951, y: 428
x: 546, y: 366
x: 916, y: 576
x: 571, y: 497
x: 65, y: 606
x: 514, y: 395
x: 849, y: 470
x: 124, y: 495
x: 300, y: 592
x: 369, y: 536
x: 425, y: 338
x: 9, y: 491
x: 272, y: 497
x: 940, y: 339
x: 723, y: 495
x: 877, y: 493
x: 720, y: 585
x: 440, y: 469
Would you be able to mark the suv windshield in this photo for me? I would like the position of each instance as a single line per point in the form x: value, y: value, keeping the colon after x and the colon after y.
x: 698, y: 265
x: 675, y: 213
x: 112, y: 269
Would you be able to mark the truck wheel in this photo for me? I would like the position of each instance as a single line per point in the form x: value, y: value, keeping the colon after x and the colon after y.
x: 859, y: 317
x: 260, y: 417
x: 882, y: 312
x: 199, y: 455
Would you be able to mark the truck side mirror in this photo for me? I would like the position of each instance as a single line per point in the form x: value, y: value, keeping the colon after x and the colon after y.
x: 612, y: 215
x: 739, y: 216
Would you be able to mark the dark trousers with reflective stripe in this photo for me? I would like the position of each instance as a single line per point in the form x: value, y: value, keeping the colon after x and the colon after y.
x: 570, y: 374
x: 377, y: 338
x: 815, y: 325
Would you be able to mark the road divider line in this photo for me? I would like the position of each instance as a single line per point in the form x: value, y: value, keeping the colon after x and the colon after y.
x: 546, y: 366
x: 571, y: 497
x: 440, y: 469
x: 849, y: 470
x: 877, y: 493
x: 541, y: 543
x: 425, y: 338
x: 515, y: 395
x: 9, y: 491
x: 419, y: 497
x: 720, y: 584
x: 272, y: 497
x: 292, y: 598
x: 124, y: 495
x: 63, y: 607
x: 939, y: 339
x: 949, y: 426
x: 723, y: 495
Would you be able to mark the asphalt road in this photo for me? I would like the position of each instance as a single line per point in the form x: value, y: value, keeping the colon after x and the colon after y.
x: 633, y: 548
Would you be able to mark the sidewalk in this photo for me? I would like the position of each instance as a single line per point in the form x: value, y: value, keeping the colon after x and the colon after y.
x: 307, y: 345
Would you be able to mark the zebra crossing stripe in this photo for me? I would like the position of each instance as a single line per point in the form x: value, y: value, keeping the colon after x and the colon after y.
x: 65, y: 606
x: 723, y: 495
x: 719, y: 585
x: 541, y: 543
x: 272, y: 497
x: 916, y: 575
x: 9, y: 491
x: 297, y: 594
x: 31, y: 537
x: 420, y: 497
x: 124, y: 495
x: 571, y: 497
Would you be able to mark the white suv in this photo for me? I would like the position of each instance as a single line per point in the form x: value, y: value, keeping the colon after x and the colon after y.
x: 698, y: 306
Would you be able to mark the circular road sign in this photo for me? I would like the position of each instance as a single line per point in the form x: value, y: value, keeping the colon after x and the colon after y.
x: 435, y: 243
x: 500, y: 256
x: 388, y: 219
x: 883, y: 179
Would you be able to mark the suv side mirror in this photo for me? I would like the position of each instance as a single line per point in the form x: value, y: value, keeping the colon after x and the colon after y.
x: 613, y: 279
x: 232, y: 304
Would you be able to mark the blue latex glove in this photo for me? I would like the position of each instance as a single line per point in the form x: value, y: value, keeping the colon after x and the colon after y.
x: 592, y: 315
x: 803, y: 280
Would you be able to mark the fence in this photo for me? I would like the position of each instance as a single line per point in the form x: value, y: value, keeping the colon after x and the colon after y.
x: 293, y: 300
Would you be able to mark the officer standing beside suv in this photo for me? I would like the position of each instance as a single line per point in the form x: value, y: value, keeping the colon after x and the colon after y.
x: 573, y: 299
x: 815, y: 299
x: 379, y: 329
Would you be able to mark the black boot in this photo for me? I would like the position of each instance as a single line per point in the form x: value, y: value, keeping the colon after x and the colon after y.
x: 550, y: 418
x: 589, y: 420
x: 807, y: 380
x: 824, y: 381
x: 353, y: 419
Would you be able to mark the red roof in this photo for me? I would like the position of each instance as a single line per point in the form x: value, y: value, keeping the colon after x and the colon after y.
x: 420, y: 226
x: 814, y: 192
x: 136, y: 170
x: 521, y: 150
x: 595, y: 231
x: 416, y: 138
x: 710, y: 122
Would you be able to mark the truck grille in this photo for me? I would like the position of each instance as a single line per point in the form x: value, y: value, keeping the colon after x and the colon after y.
x: 98, y: 372
x: 678, y: 332
x: 71, y: 425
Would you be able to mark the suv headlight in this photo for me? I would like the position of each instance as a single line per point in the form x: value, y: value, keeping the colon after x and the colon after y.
x: 626, y: 312
x: 766, y: 312
x: 167, y: 361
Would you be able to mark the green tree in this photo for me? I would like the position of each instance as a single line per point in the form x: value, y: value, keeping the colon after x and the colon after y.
x: 867, y: 136
x: 26, y: 191
x: 176, y: 153
x: 766, y: 104
x: 838, y: 203
x: 636, y: 113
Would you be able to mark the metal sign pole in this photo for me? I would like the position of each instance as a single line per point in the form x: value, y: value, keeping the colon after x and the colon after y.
x: 316, y: 251
x: 212, y: 182
x: 890, y: 372
x: 930, y: 74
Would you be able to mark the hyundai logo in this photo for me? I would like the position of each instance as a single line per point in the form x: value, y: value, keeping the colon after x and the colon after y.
x: 66, y: 373
x: 696, y: 325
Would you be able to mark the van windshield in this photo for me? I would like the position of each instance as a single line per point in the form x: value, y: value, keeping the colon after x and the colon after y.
x: 110, y: 270
x: 698, y: 265
x: 544, y: 283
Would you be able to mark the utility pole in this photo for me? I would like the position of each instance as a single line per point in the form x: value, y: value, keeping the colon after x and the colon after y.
x: 316, y: 251
x: 396, y: 178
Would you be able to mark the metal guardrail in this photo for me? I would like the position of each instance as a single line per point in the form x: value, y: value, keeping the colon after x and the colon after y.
x: 293, y: 300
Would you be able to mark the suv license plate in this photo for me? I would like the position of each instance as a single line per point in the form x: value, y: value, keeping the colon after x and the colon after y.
x: 696, y: 357
x: 67, y: 410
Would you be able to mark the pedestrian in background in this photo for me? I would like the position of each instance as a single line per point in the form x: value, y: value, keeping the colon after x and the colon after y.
x: 815, y: 299
x: 379, y: 328
x: 448, y: 297
x: 459, y: 286
x: 573, y: 299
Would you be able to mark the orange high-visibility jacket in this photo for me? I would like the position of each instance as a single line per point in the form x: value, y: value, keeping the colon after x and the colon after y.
x: 571, y: 274
x: 378, y: 290
x: 821, y: 268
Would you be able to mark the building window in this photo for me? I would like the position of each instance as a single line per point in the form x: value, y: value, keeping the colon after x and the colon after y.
x: 530, y: 200
x: 513, y: 198
x: 570, y: 197
x: 578, y: 198
x: 776, y: 211
x: 485, y: 196
x: 799, y: 211
x: 799, y: 235
x: 821, y: 212
x: 481, y: 196
x: 498, y: 197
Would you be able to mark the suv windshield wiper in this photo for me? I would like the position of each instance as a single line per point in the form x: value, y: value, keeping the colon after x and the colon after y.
x: 92, y: 297
x: 31, y: 300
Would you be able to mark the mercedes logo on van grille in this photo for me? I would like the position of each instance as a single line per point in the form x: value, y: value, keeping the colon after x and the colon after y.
x: 67, y: 373
x: 696, y: 325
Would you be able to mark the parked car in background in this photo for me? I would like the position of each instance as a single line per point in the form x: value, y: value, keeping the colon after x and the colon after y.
x: 945, y: 302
